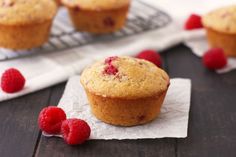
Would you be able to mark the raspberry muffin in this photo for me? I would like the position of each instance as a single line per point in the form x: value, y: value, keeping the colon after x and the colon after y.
x: 125, y: 91
x: 25, y: 24
x: 220, y: 25
x: 58, y: 2
x: 98, y: 16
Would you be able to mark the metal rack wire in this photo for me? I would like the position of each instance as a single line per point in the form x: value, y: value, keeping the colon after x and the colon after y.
x: 64, y: 36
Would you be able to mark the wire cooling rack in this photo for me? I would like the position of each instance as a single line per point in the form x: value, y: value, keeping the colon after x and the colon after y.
x: 141, y: 18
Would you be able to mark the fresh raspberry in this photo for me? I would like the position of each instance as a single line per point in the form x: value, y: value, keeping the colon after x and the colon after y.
x: 110, y: 70
x: 75, y: 131
x: 110, y: 59
x: 12, y: 81
x: 193, y: 22
x: 214, y: 59
x: 109, y: 22
x: 151, y: 56
x: 50, y: 119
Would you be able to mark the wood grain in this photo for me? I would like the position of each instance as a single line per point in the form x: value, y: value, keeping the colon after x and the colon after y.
x: 212, y: 129
x: 55, y: 147
x: 19, y: 130
x: 211, y: 125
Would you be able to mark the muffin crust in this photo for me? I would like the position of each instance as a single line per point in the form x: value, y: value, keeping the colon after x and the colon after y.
x: 125, y: 91
x: 136, y: 78
x: 220, y: 26
x: 96, y: 5
x: 98, y: 16
x: 21, y: 12
x: 25, y: 24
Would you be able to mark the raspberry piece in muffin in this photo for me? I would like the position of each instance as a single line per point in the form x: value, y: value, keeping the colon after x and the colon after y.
x: 109, y: 22
x: 132, y: 96
x: 98, y: 16
x: 110, y: 70
x: 110, y: 59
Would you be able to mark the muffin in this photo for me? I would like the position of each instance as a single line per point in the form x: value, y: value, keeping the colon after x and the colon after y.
x: 25, y: 24
x: 220, y: 25
x: 125, y: 91
x: 58, y: 2
x: 98, y: 16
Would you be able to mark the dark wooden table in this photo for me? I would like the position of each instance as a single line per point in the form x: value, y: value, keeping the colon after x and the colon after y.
x: 212, y: 123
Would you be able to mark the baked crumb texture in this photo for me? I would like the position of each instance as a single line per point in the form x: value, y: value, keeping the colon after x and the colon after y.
x: 98, y: 17
x: 125, y: 91
x: 25, y: 24
x: 220, y: 25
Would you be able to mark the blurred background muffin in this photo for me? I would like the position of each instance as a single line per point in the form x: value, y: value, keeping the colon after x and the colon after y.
x: 220, y: 25
x: 98, y: 16
x: 58, y: 2
x: 25, y: 24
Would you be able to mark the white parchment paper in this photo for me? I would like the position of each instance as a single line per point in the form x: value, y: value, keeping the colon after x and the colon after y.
x: 172, y: 122
x: 199, y: 46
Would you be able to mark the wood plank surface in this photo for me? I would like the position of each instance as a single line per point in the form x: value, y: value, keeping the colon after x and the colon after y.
x: 212, y: 125
x: 55, y: 147
x: 19, y: 130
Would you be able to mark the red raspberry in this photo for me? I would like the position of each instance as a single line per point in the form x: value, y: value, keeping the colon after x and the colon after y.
x: 109, y: 22
x: 151, y: 56
x: 75, y: 131
x: 50, y: 119
x: 214, y: 59
x: 12, y: 81
x: 110, y: 59
x: 193, y: 22
x: 110, y: 70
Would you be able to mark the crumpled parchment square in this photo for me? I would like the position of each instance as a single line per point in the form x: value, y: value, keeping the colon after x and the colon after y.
x: 172, y: 122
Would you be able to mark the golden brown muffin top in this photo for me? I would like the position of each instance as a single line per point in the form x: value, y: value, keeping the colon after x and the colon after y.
x: 96, y: 4
x: 125, y: 77
x: 222, y: 19
x: 21, y: 12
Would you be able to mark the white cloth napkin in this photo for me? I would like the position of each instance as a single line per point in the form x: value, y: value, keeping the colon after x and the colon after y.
x: 47, y: 70
x: 181, y: 10
x: 172, y: 122
x: 199, y: 46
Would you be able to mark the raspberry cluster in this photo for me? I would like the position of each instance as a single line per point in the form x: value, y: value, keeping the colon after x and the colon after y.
x: 52, y: 120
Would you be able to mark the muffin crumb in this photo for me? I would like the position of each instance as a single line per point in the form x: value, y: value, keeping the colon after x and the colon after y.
x: 109, y: 22
x: 130, y: 94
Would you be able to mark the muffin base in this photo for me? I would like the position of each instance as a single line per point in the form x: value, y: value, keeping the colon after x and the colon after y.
x: 222, y: 40
x: 24, y: 36
x: 125, y: 112
x: 98, y: 22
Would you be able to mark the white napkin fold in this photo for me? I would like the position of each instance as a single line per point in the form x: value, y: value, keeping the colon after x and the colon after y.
x: 172, y: 122
x: 47, y: 70
x: 199, y: 46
